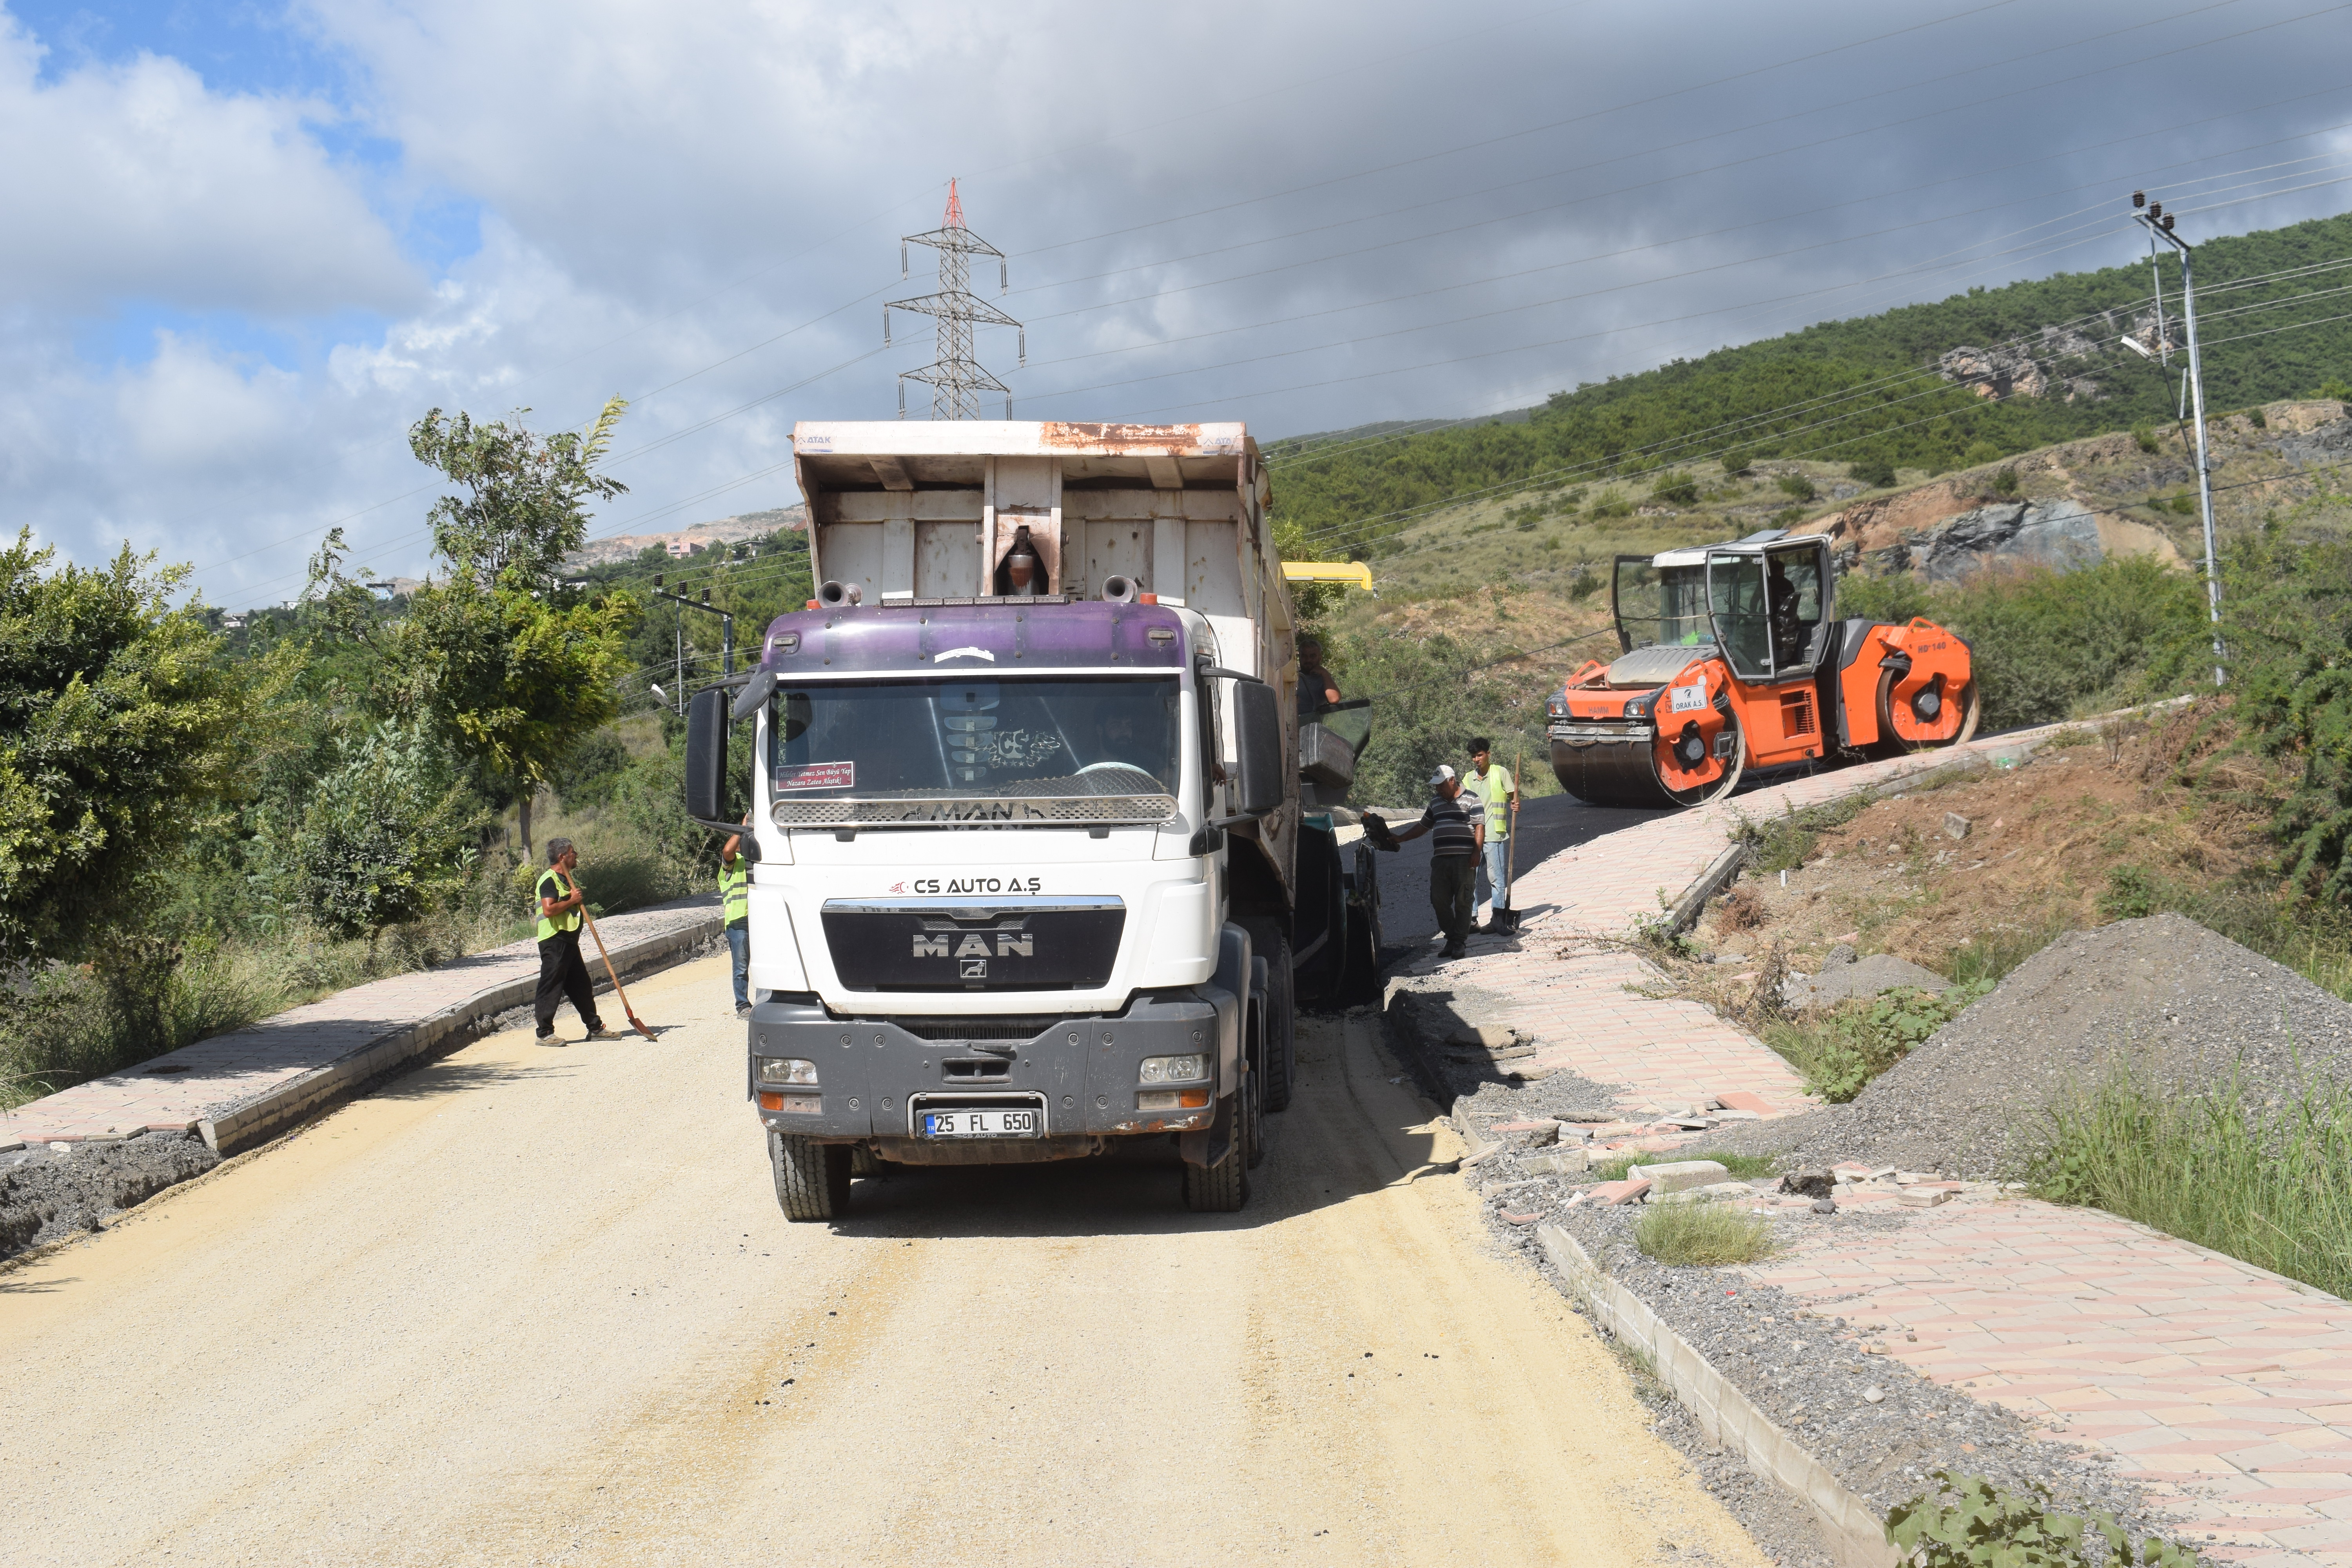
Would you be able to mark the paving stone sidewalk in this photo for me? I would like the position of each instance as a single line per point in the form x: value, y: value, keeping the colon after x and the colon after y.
x: 1571, y: 981
x: 2224, y: 1390
x: 246, y: 1081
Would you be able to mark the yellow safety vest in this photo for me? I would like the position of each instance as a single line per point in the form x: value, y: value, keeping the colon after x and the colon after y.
x: 735, y: 889
x: 554, y: 884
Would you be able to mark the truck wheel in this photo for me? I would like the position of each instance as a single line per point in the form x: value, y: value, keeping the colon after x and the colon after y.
x: 1267, y: 940
x: 1254, y: 1106
x: 1223, y: 1187
x: 812, y: 1179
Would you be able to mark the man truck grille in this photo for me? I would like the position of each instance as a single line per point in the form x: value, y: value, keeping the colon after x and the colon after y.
x: 1013, y: 944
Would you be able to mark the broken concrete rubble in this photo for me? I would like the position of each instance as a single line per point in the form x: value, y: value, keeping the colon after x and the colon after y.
x: 1674, y: 1175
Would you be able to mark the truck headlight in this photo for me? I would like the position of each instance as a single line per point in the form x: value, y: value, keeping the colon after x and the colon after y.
x: 786, y: 1069
x: 1175, y: 1069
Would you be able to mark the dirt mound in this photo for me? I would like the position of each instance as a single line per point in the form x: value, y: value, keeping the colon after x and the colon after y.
x: 2161, y: 998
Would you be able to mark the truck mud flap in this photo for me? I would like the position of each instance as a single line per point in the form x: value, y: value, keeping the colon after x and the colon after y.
x: 1209, y: 1145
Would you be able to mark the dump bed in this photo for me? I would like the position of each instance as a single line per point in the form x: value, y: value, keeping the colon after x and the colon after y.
x: 908, y: 512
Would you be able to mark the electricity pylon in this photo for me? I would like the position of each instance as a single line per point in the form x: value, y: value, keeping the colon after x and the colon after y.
x: 956, y: 378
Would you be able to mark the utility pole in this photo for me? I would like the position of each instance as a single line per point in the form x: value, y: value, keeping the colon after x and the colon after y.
x: 726, y: 633
x: 956, y: 379
x: 2152, y: 217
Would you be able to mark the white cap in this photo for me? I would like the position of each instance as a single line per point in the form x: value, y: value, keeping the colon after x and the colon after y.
x: 1441, y: 775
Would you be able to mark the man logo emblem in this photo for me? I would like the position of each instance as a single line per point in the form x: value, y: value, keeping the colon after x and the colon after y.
x: 931, y: 946
x: 975, y: 969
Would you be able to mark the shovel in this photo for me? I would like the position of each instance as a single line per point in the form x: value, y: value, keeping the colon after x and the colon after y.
x: 634, y: 1022
x: 1511, y: 848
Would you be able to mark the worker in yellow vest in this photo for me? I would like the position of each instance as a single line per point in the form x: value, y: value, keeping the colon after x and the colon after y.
x: 735, y: 898
x: 562, y: 972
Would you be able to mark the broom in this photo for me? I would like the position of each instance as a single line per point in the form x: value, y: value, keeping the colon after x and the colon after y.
x: 634, y: 1022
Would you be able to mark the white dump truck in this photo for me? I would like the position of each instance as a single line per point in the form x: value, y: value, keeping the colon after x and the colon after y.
x: 1026, y: 816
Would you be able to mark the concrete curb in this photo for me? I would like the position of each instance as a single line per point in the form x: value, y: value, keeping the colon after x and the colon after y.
x: 1719, y: 875
x: 249, y: 1122
x: 1853, y: 1529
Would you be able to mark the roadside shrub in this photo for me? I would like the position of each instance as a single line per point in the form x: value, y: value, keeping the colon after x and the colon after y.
x: 1839, y: 1051
x: 2005, y: 482
x: 1585, y: 583
x: 1675, y: 492
x: 1738, y: 463
x: 2146, y: 436
x: 1876, y: 473
x: 593, y: 771
x: 1979, y: 454
x: 1797, y: 486
x: 1703, y: 1235
x: 1968, y: 1522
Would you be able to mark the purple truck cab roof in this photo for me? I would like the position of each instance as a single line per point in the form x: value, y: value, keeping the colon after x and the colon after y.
x: 1002, y: 638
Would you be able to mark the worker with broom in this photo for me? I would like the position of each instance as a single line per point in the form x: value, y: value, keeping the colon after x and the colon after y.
x: 562, y: 904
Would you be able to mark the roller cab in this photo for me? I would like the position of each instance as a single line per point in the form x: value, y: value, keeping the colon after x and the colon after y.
x: 1732, y: 656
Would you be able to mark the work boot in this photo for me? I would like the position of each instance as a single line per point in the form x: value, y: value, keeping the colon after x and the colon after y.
x: 597, y: 1031
x: 1454, y: 950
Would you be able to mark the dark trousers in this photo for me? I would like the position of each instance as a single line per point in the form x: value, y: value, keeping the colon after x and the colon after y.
x: 1453, y: 884
x: 562, y: 973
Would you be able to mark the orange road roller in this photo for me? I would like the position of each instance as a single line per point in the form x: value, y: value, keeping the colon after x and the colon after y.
x: 1732, y: 658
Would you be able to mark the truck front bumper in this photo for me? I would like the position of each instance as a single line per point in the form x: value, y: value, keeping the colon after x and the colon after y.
x: 876, y: 1076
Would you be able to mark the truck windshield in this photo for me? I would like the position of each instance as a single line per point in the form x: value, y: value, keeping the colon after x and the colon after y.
x: 975, y: 749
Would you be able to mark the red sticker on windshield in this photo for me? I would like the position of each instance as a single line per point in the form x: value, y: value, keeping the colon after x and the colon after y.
x: 817, y: 775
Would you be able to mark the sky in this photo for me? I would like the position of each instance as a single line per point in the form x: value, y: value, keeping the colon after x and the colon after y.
x: 249, y: 245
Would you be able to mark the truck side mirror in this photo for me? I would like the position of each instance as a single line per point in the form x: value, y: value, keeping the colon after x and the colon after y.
x: 706, y: 755
x: 1258, y: 733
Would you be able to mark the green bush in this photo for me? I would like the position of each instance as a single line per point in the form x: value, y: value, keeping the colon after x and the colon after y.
x: 1839, y: 1051
x: 1675, y: 492
x: 1979, y: 454
x: 2005, y: 482
x: 1703, y: 1235
x: 1797, y: 484
x: 2289, y: 608
x: 2145, y: 436
x: 1738, y: 463
x: 593, y: 771
x: 384, y: 836
x: 1968, y: 1522
x: 1876, y: 472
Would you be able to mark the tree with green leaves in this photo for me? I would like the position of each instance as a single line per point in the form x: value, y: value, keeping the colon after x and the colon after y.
x: 511, y: 667
x: 123, y: 725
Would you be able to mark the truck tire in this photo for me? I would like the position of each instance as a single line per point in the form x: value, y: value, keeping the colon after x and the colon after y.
x: 812, y: 1179
x: 1253, y: 1086
x: 1269, y: 941
x: 1223, y: 1187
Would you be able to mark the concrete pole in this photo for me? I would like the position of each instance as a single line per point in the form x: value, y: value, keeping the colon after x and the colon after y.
x: 2204, y: 460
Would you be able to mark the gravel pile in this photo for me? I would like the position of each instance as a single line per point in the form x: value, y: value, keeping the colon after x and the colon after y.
x: 48, y: 1191
x: 2162, y: 997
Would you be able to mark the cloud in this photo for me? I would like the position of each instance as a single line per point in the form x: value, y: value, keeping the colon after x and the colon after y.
x: 130, y: 181
x: 1306, y: 217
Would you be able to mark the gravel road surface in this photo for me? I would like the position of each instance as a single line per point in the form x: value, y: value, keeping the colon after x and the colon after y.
x: 538, y: 1306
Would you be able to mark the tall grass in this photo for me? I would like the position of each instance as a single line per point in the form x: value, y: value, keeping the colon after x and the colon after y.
x: 2272, y: 1187
x: 1703, y: 1235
